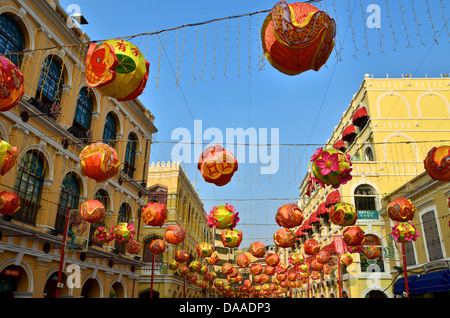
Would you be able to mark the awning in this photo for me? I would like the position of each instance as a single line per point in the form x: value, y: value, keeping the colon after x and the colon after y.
x: 339, y: 145
x: 333, y: 198
x: 399, y: 285
x: 360, y: 117
x: 430, y: 282
x: 349, y: 133
x: 299, y: 232
x: 322, y: 210
x: 306, y: 227
x: 313, y: 218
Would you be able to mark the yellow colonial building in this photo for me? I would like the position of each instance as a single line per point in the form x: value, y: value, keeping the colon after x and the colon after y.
x: 169, y: 184
x: 388, y: 129
x: 57, y: 117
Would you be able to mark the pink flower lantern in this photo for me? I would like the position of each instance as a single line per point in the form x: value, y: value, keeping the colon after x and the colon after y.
x: 223, y: 217
x: 331, y: 167
x: 404, y: 232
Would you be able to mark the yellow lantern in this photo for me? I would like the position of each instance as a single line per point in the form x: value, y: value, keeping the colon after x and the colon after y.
x: 8, y: 157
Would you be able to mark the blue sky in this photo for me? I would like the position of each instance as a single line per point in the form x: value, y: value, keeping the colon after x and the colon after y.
x: 215, y: 85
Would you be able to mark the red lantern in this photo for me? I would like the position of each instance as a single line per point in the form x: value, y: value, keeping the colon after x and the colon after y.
x: 183, y: 270
x: 437, y: 163
x: 242, y: 260
x: 9, y: 203
x: 173, y: 265
x: 227, y: 268
x: 315, y: 265
x: 133, y: 247
x: 204, y: 249
x: 102, y: 235
x: 343, y: 214
x: 92, y: 211
x: 257, y: 249
x: 297, y: 37
x: 8, y: 157
x: 353, y: 236
x: 233, y: 273
x: 272, y: 259
x: 213, y: 259
x: 256, y: 269
x: 372, y: 252
x: 289, y: 216
x: 11, y: 84
x: 99, y: 161
x: 217, y: 165
x: 154, y: 214
x: 231, y: 238
x: 269, y: 270
x: 284, y: 238
x: 182, y: 256
x: 323, y: 257
x: 157, y: 246
x: 311, y: 247
x: 192, y: 279
x: 175, y: 234
x: 401, y: 210
x: 327, y: 269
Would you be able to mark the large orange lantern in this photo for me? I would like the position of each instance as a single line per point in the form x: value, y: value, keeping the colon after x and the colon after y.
x: 213, y: 259
x: 315, y: 265
x: 223, y: 217
x: 231, y: 238
x: 99, y: 161
x: 331, y: 167
x: 123, y: 232
x: 327, y: 269
x: 227, y: 268
x: 311, y: 247
x: 182, y: 256
x: 92, y: 211
x: 157, y: 246
x: 437, y: 163
x: 297, y: 37
x: 195, y: 266
x: 242, y: 260
x: 353, y: 236
x: 204, y: 249
x: 102, y: 235
x: 217, y: 165
x: 323, y: 257
x: 9, y: 203
x: 289, y: 216
x: 154, y: 214
x: 272, y: 259
x: 404, y: 232
x: 116, y: 68
x: 256, y: 269
x: 284, y: 238
x: 401, y: 210
x: 343, y: 214
x: 133, y: 247
x: 11, y: 84
x: 8, y: 157
x: 174, y: 234
x: 372, y: 252
x: 183, y: 270
x: 269, y: 270
x: 257, y: 249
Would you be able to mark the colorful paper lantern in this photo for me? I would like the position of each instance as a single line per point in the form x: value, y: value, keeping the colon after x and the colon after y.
x: 99, y: 161
x: 257, y: 249
x: 346, y: 259
x: 297, y: 37
x: 116, y: 68
x: 233, y: 273
x: 437, y: 163
x: 272, y: 259
x: 133, y: 247
x: 192, y: 279
x: 223, y: 217
x: 154, y: 214
x: 92, y: 211
x: 231, y: 238
x: 102, y: 235
x: 213, y: 259
x: 209, y: 276
x: 157, y: 246
x: 331, y: 167
x: 372, y: 252
x: 401, y: 210
x: 281, y: 267
x: 204, y: 249
x: 343, y: 214
x: 174, y: 234
x: 327, y: 269
x: 183, y: 270
x: 173, y: 265
x: 226, y: 268
x: 284, y: 238
x: 353, y: 236
x: 404, y: 232
x: 315, y: 265
x: 296, y: 259
x: 269, y: 270
x: 289, y: 216
x: 195, y: 266
x: 242, y: 260
x: 256, y: 269
x: 181, y: 256
x: 311, y: 247
x: 219, y: 284
x: 11, y: 84
x: 9, y: 203
x: 323, y: 257
x: 217, y: 165
x: 8, y: 157
x: 303, y: 268
x: 123, y: 232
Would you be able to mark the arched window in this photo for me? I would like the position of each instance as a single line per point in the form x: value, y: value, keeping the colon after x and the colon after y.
x: 29, y: 184
x: 12, y: 39
x: 69, y: 198
x: 365, y: 198
x: 83, y: 114
x: 49, y: 90
x: 123, y: 216
x: 110, y: 131
x: 130, y: 155
x: 368, y: 154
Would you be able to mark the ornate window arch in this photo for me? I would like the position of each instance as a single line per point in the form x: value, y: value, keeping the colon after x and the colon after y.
x: 110, y: 130
x: 12, y: 38
x: 50, y: 86
x: 83, y: 115
x: 68, y: 198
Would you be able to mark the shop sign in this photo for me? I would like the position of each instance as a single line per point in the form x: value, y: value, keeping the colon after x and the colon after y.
x: 435, y: 265
x: 339, y: 244
x: 11, y: 272
x: 367, y: 214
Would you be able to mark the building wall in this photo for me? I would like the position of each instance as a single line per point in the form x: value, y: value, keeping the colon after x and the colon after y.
x: 44, y: 26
